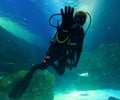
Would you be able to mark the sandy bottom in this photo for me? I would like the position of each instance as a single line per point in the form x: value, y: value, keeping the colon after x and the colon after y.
x: 88, y: 95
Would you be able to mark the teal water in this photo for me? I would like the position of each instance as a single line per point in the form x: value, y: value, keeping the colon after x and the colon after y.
x: 25, y: 34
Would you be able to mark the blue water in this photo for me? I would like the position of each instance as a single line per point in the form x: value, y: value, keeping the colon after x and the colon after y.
x: 34, y: 15
x: 26, y: 13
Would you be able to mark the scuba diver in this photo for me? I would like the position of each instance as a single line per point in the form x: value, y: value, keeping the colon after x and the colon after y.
x: 66, y: 45
x: 65, y: 48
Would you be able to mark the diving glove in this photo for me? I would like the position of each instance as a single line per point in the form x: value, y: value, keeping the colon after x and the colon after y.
x: 67, y: 17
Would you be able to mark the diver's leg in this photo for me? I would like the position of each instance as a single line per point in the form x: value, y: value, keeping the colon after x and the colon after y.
x: 50, y: 57
x: 41, y: 66
x: 60, y: 68
x: 45, y: 63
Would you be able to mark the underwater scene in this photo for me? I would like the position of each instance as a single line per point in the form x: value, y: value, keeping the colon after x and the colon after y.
x: 25, y: 35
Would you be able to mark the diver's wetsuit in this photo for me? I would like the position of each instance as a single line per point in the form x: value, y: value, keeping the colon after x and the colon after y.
x: 59, y: 53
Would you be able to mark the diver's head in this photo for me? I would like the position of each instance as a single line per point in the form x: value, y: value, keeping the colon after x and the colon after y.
x: 80, y: 17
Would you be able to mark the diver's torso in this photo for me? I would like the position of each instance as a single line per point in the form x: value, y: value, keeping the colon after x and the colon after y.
x: 75, y: 39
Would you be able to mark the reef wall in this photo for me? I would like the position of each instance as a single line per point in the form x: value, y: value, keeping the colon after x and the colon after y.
x: 102, y: 67
x: 41, y: 86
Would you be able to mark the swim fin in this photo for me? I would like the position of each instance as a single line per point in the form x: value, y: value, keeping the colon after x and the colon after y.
x: 22, y: 85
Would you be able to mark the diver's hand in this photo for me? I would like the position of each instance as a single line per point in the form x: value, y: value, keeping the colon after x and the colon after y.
x: 67, y: 17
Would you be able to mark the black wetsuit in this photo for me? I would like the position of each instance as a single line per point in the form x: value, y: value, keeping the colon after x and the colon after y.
x: 58, y: 53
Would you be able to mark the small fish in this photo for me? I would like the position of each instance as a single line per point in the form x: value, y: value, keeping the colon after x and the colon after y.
x: 85, y: 74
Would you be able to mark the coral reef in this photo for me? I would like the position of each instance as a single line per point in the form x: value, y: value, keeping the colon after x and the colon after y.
x: 102, y: 66
x: 41, y: 86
